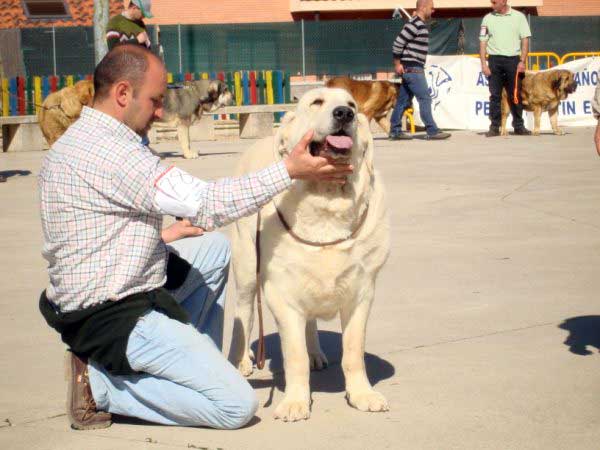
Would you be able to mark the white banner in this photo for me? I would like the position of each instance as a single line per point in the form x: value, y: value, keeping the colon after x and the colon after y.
x: 460, y: 94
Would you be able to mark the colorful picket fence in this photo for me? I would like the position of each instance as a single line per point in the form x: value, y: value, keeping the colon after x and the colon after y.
x: 24, y: 95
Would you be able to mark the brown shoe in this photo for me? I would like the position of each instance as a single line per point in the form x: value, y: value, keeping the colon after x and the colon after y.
x: 81, y: 407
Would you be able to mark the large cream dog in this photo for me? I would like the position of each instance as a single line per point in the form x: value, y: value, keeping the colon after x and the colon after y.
x: 301, y: 282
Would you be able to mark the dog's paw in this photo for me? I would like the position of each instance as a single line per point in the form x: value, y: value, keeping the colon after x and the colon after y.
x: 504, y: 133
x: 292, y: 410
x: 369, y: 400
x: 245, y: 367
x: 559, y: 132
x: 535, y: 132
x: 190, y: 155
x: 318, y: 360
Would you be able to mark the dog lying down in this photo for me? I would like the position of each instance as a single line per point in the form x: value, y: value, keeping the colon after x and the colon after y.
x: 303, y: 282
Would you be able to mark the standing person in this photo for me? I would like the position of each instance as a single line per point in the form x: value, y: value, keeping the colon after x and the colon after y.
x: 410, y: 52
x: 504, y: 36
x: 129, y: 27
x: 145, y: 334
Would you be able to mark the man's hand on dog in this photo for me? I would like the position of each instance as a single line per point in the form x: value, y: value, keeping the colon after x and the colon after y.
x: 179, y: 230
x: 301, y: 165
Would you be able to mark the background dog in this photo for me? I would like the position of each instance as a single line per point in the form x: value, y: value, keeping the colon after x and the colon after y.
x: 375, y: 99
x: 301, y: 282
x: 542, y: 91
x: 60, y: 109
x: 185, y: 105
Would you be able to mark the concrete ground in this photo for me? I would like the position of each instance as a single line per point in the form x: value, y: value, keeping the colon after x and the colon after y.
x: 484, y: 334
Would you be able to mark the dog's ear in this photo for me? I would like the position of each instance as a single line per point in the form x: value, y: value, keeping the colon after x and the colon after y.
x: 212, y: 92
x: 282, y: 136
x: 85, y: 92
x: 69, y: 102
x: 557, y: 80
x: 567, y: 78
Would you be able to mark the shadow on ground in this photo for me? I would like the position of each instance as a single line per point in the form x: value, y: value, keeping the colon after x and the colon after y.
x: 330, y: 379
x: 583, y: 331
x: 14, y: 173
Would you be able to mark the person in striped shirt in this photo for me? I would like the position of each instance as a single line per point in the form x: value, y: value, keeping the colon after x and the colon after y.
x: 410, y: 52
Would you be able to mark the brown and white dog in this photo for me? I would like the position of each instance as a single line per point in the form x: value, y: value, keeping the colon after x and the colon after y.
x: 542, y: 91
x: 375, y: 99
x: 183, y: 106
x: 60, y: 109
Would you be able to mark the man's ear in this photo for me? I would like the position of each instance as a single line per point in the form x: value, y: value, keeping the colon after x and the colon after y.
x: 123, y: 92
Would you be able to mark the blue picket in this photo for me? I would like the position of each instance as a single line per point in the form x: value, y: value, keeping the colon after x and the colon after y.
x: 12, y: 89
x: 45, y: 87
x: 278, y: 90
x: 245, y: 88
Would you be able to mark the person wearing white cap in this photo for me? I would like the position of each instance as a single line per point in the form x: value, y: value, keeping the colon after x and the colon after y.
x: 129, y: 25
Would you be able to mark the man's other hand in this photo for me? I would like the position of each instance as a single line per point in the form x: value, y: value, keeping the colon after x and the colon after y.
x: 301, y: 165
x: 179, y: 230
x: 398, y: 67
x: 142, y: 38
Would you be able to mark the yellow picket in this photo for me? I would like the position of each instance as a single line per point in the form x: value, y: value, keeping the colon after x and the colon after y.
x: 37, y: 93
x: 5, y: 103
x: 269, y: 83
x: 237, y: 80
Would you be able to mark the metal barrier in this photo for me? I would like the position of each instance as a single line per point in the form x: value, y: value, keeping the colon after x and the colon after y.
x: 537, y: 60
x: 577, y: 55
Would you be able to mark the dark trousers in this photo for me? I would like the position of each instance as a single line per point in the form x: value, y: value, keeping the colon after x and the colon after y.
x: 504, y: 70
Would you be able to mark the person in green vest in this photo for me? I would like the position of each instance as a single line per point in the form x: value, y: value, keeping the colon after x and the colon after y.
x: 504, y: 36
x: 129, y: 26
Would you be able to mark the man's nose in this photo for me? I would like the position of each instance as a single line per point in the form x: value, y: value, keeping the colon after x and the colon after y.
x: 158, y: 113
x: 343, y: 114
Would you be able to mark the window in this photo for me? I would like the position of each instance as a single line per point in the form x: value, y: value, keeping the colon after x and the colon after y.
x: 44, y: 9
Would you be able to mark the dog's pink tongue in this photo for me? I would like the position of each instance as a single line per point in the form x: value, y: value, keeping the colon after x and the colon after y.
x: 340, y: 142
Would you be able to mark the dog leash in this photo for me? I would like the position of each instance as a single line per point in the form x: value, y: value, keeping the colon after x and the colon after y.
x: 260, y: 353
x: 516, y: 89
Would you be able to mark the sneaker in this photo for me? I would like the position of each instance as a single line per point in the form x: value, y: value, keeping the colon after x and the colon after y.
x: 437, y: 136
x: 400, y: 137
x: 81, y: 407
x: 492, y: 132
x: 522, y: 131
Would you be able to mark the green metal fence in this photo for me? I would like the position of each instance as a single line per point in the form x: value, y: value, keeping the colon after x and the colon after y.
x: 315, y: 48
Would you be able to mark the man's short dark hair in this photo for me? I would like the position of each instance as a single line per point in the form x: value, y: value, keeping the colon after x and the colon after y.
x: 124, y: 62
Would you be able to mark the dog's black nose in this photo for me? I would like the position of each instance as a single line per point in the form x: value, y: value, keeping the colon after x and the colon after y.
x: 343, y: 114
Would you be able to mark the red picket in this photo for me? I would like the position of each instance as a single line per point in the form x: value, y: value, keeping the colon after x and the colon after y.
x: 253, y: 93
x: 53, y: 84
x: 21, y: 95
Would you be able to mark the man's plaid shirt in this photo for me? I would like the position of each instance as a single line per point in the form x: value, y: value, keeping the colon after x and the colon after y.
x: 102, y: 228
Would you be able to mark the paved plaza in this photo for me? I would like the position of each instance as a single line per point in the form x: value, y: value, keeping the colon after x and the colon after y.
x: 484, y: 333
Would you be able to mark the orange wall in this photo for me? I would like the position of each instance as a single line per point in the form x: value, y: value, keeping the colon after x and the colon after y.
x: 224, y: 11
x: 570, y: 8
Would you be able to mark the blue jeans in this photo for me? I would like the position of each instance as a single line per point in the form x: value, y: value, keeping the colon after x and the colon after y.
x: 413, y: 85
x: 184, y: 378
